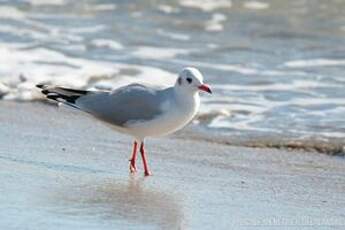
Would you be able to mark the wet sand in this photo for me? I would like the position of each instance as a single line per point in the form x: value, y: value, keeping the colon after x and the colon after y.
x: 61, y: 170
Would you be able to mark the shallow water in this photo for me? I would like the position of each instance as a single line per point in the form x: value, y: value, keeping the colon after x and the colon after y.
x: 275, y: 66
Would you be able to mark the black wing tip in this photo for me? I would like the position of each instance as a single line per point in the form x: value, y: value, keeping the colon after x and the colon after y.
x: 45, y: 91
x: 41, y: 86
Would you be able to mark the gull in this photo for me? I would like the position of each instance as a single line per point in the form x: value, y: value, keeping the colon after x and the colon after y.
x: 138, y: 110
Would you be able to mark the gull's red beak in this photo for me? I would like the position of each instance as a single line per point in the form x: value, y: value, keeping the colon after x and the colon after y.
x: 205, y: 88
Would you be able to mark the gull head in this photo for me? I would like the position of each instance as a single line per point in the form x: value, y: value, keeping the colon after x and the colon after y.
x: 190, y: 80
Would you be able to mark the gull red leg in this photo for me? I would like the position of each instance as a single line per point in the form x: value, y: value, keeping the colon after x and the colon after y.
x: 146, y: 168
x: 132, y: 166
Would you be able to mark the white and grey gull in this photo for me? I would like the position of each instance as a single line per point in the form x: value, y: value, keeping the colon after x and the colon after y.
x: 139, y: 110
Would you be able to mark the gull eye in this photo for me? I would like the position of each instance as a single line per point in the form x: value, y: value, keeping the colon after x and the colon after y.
x: 189, y: 80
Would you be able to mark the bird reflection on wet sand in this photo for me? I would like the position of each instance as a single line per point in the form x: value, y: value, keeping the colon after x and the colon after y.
x: 128, y: 203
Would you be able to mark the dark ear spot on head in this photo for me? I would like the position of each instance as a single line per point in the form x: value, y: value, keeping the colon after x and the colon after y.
x: 179, y: 81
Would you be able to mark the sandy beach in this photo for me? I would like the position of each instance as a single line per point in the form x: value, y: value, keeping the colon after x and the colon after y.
x: 60, y: 169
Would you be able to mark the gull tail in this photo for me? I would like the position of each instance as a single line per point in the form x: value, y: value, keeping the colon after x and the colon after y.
x: 63, y: 95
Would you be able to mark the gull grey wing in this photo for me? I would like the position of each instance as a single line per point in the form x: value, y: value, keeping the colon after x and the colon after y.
x: 130, y: 103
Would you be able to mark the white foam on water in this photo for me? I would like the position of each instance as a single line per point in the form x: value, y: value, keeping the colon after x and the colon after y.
x: 52, y: 35
x: 173, y: 35
x: 46, y: 2
x: 215, y: 23
x: 22, y: 68
x: 212, y: 46
x: 318, y: 101
x: 158, y: 52
x: 301, y: 85
x: 107, y: 43
x: 240, y: 69
x: 314, y: 63
x: 206, y: 5
x: 75, y: 47
x: 224, y: 67
x: 10, y: 12
x: 332, y: 134
x: 168, y: 9
x: 250, y: 112
x: 88, y: 29
x: 145, y: 75
x: 104, y: 7
x: 235, y: 113
x: 217, y: 112
x: 97, y: 8
x: 236, y: 106
x: 256, y: 5
x: 3, y: 89
x: 42, y: 32
x: 244, y: 124
x: 23, y: 32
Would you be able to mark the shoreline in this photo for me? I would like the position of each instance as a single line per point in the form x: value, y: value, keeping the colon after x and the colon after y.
x: 62, y: 170
x: 311, y: 145
x: 198, y: 132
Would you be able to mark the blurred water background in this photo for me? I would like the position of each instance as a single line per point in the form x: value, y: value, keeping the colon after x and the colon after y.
x: 276, y: 67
